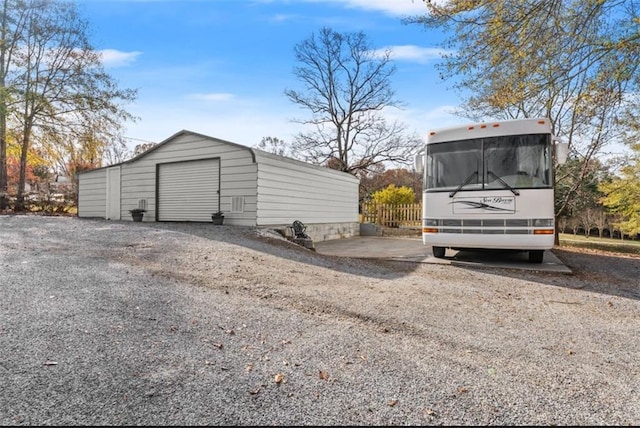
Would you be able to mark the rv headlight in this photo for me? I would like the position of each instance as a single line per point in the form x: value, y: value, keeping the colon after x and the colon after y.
x: 543, y: 222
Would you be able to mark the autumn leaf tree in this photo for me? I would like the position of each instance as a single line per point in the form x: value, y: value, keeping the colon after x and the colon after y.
x: 575, y: 62
x: 346, y: 87
x: 394, y: 195
x: 379, y: 178
x: 622, y: 196
x: 12, y: 26
x: 91, y: 146
x: 54, y: 87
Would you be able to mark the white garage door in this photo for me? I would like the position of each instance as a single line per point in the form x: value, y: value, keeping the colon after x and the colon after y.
x: 188, y: 191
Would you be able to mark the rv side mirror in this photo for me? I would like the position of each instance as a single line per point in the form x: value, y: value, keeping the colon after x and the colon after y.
x: 419, y: 161
x: 562, y: 152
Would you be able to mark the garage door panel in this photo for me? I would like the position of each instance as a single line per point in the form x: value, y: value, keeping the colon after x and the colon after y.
x: 188, y: 191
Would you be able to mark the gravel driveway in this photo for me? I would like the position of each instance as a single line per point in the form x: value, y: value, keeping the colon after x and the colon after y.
x: 122, y: 323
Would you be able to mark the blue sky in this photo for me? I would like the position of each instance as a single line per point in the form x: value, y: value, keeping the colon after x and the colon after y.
x: 220, y: 67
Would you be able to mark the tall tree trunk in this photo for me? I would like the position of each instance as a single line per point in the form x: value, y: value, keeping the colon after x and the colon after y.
x: 3, y: 109
x: 3, y: 154
x: 26, y: 136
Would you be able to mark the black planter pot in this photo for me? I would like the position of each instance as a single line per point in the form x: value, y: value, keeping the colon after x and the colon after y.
x: 217, y: 219
x: 137, y: 216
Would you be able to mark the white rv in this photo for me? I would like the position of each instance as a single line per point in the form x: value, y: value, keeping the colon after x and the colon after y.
x: 490, y: 186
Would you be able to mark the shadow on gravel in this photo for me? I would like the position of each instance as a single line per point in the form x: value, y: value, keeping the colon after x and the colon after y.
x: 599, y: 273
x: 605, y: 273
x: 610, y: 274
x: 249, y: 237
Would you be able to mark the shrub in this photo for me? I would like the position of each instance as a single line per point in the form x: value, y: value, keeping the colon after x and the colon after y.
x: 394, y: 195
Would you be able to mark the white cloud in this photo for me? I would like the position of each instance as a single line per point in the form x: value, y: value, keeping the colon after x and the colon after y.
x: 423, y: 120
x: 115, y: 58
x: 391, y: 7
x: 412, y: 53
x: 211, y: 97
x: 444, y: 115
x: 281, y: 17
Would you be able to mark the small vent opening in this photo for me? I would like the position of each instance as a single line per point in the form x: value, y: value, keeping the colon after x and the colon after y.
x: 237, y: 204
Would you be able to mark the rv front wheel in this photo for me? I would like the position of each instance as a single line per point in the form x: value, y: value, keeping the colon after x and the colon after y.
x: 438, y: 252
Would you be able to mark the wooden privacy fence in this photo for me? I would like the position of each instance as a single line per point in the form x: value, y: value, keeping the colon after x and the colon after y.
x: 392, y: 215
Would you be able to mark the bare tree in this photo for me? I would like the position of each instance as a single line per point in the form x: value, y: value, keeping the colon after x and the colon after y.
x: 601, y: 221
x: 574, y: 225
x: 587, y: 220
x: 143, y: 147
x: 347, y: 87
x: 563, y: 223
x: 274, y: 145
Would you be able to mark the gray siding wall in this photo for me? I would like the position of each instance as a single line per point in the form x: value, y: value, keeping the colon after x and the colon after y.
x: 272, y: 191
x: 92, y: 194
x: 290, y: 190
x: 238, y: 176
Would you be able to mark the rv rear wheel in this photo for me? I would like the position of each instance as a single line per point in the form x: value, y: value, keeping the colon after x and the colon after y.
x: 536, y: 256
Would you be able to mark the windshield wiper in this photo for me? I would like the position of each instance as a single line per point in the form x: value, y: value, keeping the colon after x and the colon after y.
x: 504, y: 183
x: 464, y: 183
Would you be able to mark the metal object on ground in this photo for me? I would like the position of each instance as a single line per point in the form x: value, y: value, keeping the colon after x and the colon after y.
x: 301, y: 237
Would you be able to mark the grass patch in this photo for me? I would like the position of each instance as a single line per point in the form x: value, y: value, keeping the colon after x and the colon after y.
x: 596, y: 243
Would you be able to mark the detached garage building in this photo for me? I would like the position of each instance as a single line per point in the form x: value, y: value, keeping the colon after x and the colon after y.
x: 189, y: 176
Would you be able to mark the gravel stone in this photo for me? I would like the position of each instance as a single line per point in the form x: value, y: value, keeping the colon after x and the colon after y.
x: 123, y: 323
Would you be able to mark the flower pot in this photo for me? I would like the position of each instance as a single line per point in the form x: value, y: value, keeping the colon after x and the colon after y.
x: 137, y: 216
x: 217, y: 219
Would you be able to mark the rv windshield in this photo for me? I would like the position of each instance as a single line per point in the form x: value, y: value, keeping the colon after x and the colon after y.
x: 506, y: 162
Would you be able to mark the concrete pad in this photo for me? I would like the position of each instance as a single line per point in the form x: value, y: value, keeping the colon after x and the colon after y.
x: 413, y: 250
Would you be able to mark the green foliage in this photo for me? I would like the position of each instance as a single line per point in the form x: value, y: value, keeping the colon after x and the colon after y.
x: 577, y: 186
x: 622, y: 196
x: 576, y: 62
x: 377, y: 178
x: 394, y: 195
